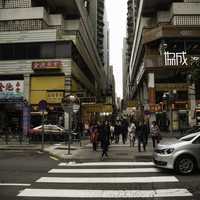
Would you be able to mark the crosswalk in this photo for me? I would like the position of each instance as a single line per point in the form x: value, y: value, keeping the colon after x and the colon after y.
x: 106, y: 180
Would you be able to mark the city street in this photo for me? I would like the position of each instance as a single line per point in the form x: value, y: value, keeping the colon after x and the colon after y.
x: 44, y: 177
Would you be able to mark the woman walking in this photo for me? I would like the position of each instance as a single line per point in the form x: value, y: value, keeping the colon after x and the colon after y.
x: 132, y: 132
x: 155, y: 133
x: 94, y: 136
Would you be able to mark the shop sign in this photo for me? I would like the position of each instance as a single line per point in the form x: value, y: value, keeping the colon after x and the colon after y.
x: 98, y: 108
x: 155, y: 108
x: 45, y: 65
x: 55, y: 96
x: 175, y: 59
x: 11, y: 89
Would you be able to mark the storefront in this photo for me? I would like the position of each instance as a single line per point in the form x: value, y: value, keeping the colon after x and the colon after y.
x: 14, y: 111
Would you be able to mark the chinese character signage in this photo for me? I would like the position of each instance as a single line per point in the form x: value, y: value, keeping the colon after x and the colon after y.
x: 43, y: 65
x: 13, y: 89
x: 55, y: 96
x: 175, y: 59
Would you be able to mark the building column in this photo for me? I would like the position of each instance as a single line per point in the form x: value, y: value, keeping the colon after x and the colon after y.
x: 151, y: 94
x: 192, y: 102
x: 68, y: 84
x: 27, y: 84
x: 145, y: 93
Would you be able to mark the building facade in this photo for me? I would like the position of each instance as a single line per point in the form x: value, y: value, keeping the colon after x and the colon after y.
x: 165, y: 46
x: 47, y: 49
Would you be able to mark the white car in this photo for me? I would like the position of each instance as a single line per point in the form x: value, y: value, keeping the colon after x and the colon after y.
x: 182, y: 156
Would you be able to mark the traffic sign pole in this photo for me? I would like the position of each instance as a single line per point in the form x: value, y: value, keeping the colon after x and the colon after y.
x: 42, y: 106
x: 42, y: 145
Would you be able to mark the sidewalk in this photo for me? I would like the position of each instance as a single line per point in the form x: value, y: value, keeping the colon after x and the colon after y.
x: 117, y: 152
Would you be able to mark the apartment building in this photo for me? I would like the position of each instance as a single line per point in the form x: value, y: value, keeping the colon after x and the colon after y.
x: 165, y: 45
x: 47, y: 49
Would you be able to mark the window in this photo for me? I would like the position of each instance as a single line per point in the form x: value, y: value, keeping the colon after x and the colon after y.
x: 63, y: 50
x: 197, y: 141
x: 47, y: 50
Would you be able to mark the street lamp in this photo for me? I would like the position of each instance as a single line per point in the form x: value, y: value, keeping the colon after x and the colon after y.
x: 70, y: 104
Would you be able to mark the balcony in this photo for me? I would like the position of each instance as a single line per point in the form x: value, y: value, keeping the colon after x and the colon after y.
x: 151, y: 6
x: 68, y: 8
x: 167, y: 31
x: 157, y: 61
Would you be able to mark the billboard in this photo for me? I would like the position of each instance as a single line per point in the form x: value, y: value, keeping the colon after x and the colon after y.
x: 11, y: 89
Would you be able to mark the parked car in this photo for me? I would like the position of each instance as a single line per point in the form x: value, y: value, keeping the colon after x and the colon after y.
x: 51, y: 132
x: 182, y: 156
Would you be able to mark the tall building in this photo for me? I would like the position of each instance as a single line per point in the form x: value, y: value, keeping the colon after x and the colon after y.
x: 165, y: 46
x: 47, y: 50
x: 125, y: 73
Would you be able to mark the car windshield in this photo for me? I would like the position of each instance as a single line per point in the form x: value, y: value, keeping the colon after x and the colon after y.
x: 189, y: 137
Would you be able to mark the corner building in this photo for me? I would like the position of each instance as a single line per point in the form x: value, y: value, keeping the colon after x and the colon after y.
x: 47, y: 49
x: 166, y: 43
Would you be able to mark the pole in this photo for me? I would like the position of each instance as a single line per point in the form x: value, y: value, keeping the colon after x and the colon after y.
x: 42, y: 145
x: 69, y: 135
x: 171, y: 119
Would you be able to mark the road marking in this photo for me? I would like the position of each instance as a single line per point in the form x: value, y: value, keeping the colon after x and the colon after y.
x: 156, y: 179
x: 103, y: 171
x: 108, y: 164
x: 65, y: 193
x: 14, y: 184
x: 54, y: 158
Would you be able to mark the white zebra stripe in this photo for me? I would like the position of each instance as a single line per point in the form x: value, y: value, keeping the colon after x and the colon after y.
x: 74, y: 164
x: 156, y: 179
x: 103, y: 171
x: 65, y: 193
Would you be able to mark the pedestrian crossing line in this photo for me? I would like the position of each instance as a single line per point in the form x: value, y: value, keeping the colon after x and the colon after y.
x: 15, y: 184
x: 75, y: 193
x: 74, y: 164
x: 105, y: 170
x: 155, y: 179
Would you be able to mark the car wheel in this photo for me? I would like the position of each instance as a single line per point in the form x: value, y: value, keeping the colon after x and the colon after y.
x: 185, y: 165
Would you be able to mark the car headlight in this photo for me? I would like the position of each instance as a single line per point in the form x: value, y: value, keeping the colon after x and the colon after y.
x: 169, y: 151
x: 165, y: 151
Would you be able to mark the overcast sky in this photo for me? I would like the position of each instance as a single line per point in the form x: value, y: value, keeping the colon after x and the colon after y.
x: 116, y: 11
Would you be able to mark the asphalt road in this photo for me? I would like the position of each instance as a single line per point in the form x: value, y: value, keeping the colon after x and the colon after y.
x: 21, y: 167
x: 51, y: 179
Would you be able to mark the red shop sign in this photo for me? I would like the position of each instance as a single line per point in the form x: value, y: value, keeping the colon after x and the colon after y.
x: 42, y: 65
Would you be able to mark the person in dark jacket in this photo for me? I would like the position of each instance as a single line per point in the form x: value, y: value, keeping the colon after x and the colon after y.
x: 142, y: 134
x: 124, y: 130
x: 117, y: 131
x: 104, y: 138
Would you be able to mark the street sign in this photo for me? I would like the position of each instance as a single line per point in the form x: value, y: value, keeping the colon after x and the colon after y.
x: 42, y: 105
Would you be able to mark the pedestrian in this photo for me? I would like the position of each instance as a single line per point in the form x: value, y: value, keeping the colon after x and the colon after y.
x: 141, y: 133
x: 132, y: 132
x: 155, y: 133
x: 94, y: 136
x: 147, y: 130
x: 117, y: 131
x: 124, y: 130
x: 105, y: 138
x: 112, y: 131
